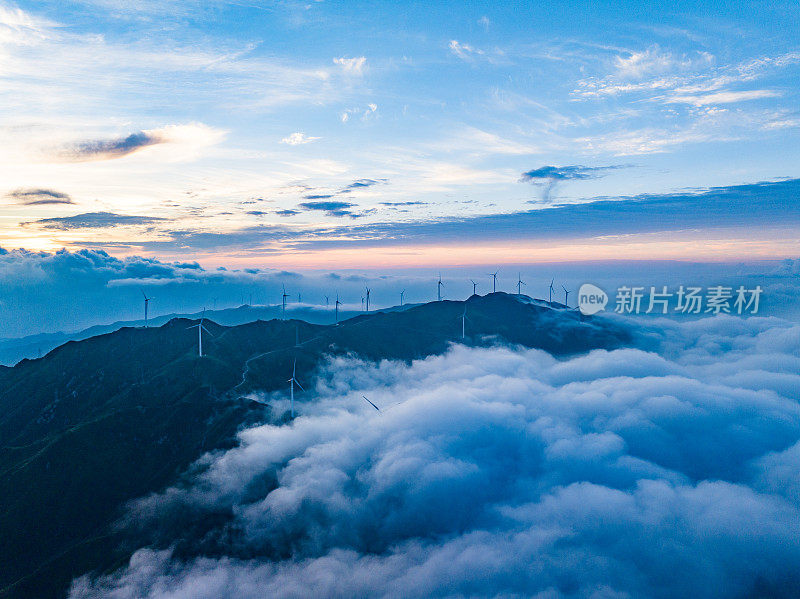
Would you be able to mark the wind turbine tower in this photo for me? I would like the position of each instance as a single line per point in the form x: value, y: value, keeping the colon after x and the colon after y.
x: 336, y: 308
x: 283, y: 298
x: 464, y: 319
x: 566, y: 296
x: 402, y: 294
x: 368, y: 292
x: 439, y: 286
x: 474, y: 287
x: 520, y: 283
x: 494, y: 281
x: 292, y: 382
x: 146, y: 305
x: 551, y: 290
x: 200, y: 328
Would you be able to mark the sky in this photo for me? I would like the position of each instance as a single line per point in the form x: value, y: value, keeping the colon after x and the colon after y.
x: 320, y: 135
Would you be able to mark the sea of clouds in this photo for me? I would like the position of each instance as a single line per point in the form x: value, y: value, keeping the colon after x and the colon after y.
x: 504, y: 472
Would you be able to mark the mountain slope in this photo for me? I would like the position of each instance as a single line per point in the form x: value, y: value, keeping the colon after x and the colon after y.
x: 98, y: 422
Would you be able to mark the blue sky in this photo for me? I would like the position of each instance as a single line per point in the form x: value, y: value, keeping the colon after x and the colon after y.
x: 308, y: 135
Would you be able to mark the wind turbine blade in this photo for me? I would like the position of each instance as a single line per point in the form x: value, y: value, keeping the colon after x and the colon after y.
x: 206, y: 330
x: 370, y: 403
x: 299, y: 385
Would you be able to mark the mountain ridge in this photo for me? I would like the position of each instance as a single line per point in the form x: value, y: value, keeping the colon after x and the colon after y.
x: 15, y: 349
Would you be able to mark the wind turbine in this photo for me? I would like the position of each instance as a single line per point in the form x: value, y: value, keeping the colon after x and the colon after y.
x: 146, y: 303
x: 494, y: 281
x: 283, y: 310
x: 336, y: 308
x: 200, y: 328
x: 439, y: 286
x: 327, y: 301
x: 566, y: 296
x: 299, y: 300
x: 402, y: 293
x: 551, y: 290
x: 370, y: 403
x: 474, y: 287
x: 362, y: 303
x: 368, y: 292
x: 520, y: 283
x: 293, y: 381
x: 464, y: 319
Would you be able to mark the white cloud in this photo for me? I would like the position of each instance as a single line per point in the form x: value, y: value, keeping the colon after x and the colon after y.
x: 645, y: 141
x: 649, y: 62
x: 20, y: 27
x: 708, y: 122
x: 298, y: 138
x: 471, y: 139
x: 353, y: 66
x: 654, y: 72
x: 500, y: 472
x: 723, y: 97
x: 464, y: 51
x: 365, y: 113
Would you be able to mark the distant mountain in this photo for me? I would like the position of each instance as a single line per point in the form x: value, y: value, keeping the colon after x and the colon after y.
x: 14, y: 349
x: 98, y: 422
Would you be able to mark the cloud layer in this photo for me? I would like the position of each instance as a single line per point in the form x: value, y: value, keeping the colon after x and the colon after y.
x: 565, y: 173
x: 184, y: 139
x: 34, y: 197
x: 550, y: 176
x: 502, y: 472
x: 48, y: 292
x: 93, y: 220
